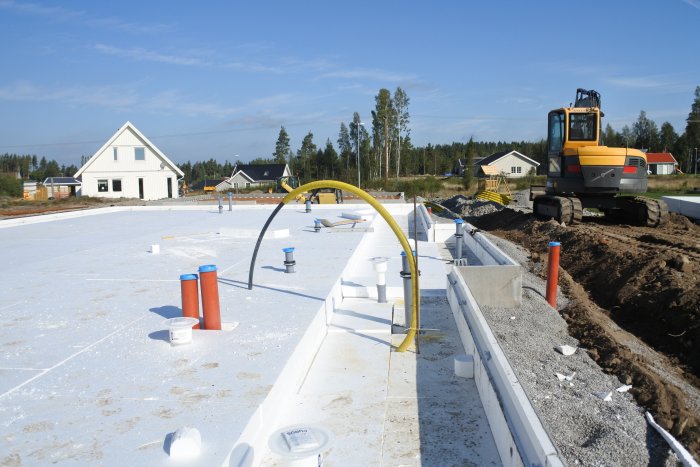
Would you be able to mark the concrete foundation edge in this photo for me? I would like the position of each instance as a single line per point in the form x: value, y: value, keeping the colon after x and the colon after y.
x: 520, y: 437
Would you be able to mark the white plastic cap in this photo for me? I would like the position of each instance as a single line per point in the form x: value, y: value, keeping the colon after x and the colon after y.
x: 186, y: 443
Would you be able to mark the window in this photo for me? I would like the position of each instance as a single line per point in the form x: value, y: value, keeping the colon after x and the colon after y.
x: 247, y: 184
x: 115, y: 152
x: 512, y: 170
x: 102, y: 186
x: 582, y: 127
x: 116, y: 185
x: 520, y: 170
x: 555, y: 138
x: 140, y: 154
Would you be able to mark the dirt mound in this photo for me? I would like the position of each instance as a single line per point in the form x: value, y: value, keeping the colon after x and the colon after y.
x: 632, y: 289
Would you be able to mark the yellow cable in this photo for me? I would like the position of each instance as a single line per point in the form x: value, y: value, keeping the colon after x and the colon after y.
x: 394, y: 227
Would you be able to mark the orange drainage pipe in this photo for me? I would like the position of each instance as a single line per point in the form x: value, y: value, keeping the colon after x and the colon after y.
x: 189, y: 287
x: 211, y: 312
x: 553, y: 273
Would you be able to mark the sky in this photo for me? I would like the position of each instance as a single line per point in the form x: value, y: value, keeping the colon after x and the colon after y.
x: 217, y: 80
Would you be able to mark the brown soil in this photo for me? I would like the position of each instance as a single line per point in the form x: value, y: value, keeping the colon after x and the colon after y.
x: 634, y: 304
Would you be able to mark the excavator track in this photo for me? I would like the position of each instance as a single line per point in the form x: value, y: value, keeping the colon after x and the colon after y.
x: 567, y: 210
x: 642, y: 211
x: 657, y: 211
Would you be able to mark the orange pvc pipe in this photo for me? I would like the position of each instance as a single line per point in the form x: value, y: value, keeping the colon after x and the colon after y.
x: 208, y: 281
x: 189, y: 288
x: 553, y: 273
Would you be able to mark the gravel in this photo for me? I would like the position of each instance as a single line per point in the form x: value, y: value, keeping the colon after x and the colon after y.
x: 586, y: 429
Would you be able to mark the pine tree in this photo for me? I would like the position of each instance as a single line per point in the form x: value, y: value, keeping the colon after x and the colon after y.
x: 692, y: 129
x: 401, y: 102
x: 282, y: 147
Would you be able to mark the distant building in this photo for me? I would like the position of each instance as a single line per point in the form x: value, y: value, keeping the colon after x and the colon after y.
x: 661, y: 163
x: 510, y: 164
x: 128, y: 165
x: 61, y: 187
x: 254, y: 175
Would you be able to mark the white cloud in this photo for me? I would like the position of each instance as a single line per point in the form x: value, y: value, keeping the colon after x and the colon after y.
x: 369, y: 74
x: 693, y: 3
x: 653, y: 82
x: 117, y: 98
x: 141, y: 54
x: 57, y: 13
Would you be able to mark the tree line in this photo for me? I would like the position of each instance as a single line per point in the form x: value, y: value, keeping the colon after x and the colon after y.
x: 383, y: 148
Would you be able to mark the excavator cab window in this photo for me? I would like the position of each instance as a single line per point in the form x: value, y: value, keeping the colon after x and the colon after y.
x: 555, y: 139
x: 582, y: 127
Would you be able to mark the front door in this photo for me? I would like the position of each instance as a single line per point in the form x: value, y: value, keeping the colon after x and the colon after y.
x: 141, y: 188
x: 170, y: 187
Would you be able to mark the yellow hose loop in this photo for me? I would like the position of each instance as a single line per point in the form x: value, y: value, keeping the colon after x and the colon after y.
x: 394, y: 227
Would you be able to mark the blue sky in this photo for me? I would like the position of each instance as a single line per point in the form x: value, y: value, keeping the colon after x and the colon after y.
x: 218, y: 79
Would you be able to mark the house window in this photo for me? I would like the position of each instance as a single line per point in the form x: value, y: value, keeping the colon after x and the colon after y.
x: 520, y: 170
x: 116, y: 185
x: 102, y: 186
x: 247, y: 185
x: 115, y: 152
x: 140, y: 154
x: 512, y: 170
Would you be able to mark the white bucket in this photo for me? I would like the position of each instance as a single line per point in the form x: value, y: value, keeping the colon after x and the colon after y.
x: 180, y: 329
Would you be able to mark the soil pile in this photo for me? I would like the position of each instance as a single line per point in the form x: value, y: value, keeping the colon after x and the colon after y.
x: 634, y: 303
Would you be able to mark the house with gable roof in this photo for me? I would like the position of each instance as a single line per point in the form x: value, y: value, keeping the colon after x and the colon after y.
x: 254, y: 175
x: 128, y: 165
x: 510, y: 164
x: 661, y: 163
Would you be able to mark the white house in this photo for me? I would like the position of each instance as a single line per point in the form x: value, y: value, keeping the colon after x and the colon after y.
x: 511, y: 164
x: 254, y: 175
x: 129, y: 166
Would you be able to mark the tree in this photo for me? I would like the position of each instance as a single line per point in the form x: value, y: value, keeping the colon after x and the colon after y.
x: 401, y: 102
x: 646, y: 133
x: 668, y: 137
x: 345, y: 148
x: 626, y: 136
x: 330, y: 160
x: 468, y: 174
x: 282, y: 148
x: 306, y: 153
x: 612, y: 138
x: 383, y: 118
x: 356, y: 137
x: 692, y: 128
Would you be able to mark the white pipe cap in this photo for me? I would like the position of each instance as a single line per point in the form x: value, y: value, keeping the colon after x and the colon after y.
x: 186, y: 443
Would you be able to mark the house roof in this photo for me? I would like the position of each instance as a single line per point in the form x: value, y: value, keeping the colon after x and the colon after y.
x: 500, y: 155
x: 130, y: 126
x: 489, y: 170
x: 258, y: 172
x: 660, y: 158
x: 209, y: 182
x: 61, y: 181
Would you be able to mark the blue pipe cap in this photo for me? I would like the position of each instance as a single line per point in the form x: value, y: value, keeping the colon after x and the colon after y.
x: 403, y: 253
x: 459, y: 221
x: 208, y: 268
x: 554, y: 244
x: 188, y: 277
x: 288, y: 249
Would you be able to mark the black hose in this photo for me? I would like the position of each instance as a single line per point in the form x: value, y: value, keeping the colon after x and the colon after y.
x: 257, y: 245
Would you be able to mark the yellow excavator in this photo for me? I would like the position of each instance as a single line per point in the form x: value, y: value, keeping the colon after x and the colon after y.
x: 582, y: 173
